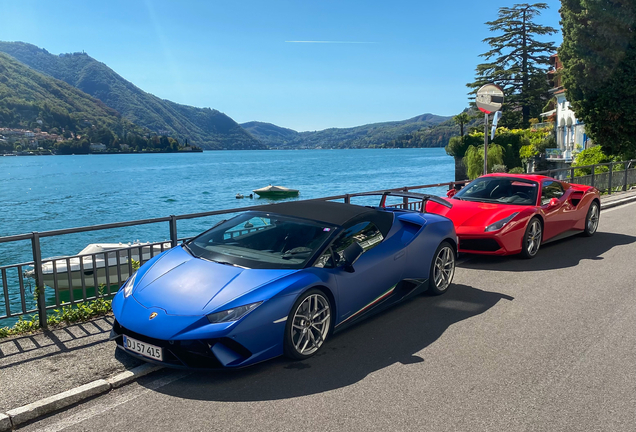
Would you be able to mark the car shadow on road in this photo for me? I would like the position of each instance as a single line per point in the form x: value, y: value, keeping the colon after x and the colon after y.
x: 568, y: 252
x: 394, y: 336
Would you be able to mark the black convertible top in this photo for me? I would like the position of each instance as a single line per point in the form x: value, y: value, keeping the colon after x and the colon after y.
x: 333, y: 213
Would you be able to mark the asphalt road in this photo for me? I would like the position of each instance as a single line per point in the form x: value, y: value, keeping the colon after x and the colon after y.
x: 540, y: 345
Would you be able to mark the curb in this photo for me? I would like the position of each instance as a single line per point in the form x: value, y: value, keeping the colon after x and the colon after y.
x: 5, y: 422
x: 617, y: 202
x: 32, y: 411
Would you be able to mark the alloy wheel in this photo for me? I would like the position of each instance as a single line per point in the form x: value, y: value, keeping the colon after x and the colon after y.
x: 533, y: 240
x: 310, y: 325
x: 444, y: 268
x: 593, y: 219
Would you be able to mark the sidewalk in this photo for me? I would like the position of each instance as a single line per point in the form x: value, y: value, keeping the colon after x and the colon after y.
x: 618, y: 198
x: 37, y: 366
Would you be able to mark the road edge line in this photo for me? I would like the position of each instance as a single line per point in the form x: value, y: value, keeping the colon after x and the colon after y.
x: 32, y: 411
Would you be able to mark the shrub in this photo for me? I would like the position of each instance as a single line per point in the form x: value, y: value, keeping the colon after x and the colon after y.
x: 591, y: 156
x: 517, y: 170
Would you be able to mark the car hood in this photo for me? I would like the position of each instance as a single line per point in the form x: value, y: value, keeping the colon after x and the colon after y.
x: 472, y: 213
x: 181, y: 284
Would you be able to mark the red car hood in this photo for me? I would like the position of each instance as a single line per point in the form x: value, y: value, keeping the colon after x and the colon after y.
x: 473, y: 214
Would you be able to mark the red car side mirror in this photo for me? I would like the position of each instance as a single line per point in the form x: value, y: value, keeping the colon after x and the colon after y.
x: 553, y: 202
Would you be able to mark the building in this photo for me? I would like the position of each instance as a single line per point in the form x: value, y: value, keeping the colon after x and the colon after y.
x: 97, y: 147
x: 569, y: 131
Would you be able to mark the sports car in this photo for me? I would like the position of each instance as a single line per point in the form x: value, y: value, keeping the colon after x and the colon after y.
x: 504, y: 214
x: 280, y: 279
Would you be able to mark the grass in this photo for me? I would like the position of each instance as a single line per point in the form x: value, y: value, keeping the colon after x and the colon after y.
x: 66, y: 315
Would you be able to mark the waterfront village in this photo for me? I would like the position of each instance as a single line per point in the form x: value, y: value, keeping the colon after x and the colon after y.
x: 24, y: 142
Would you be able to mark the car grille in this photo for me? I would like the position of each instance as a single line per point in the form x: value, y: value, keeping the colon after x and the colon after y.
x: 481, y: 245
x: 195, y: 354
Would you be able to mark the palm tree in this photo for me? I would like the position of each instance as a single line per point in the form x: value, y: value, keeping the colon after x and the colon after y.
x: 461, y: 120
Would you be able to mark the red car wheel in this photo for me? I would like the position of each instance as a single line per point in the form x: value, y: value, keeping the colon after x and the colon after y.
x: 532, y: 238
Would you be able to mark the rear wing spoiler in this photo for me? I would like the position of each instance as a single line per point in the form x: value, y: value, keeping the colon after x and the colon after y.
x: 417, y: 196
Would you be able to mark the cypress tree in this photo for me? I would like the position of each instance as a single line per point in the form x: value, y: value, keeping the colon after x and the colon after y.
x: 517, y: 62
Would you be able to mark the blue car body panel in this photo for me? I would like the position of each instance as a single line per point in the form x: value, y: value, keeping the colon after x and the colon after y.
x: 181, y: 290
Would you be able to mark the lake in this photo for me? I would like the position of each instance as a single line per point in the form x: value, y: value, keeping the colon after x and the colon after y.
x: 42, y: 193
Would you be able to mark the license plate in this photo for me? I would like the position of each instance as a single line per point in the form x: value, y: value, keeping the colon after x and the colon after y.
x: 143, y: 348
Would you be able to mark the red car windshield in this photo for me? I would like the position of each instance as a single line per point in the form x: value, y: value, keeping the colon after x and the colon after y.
x: 501, y: 190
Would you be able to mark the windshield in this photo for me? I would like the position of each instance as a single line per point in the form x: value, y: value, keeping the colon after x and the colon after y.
x: 262, y: 240
x: 501, y: 190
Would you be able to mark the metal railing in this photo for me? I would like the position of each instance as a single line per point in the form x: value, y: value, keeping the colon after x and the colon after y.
x: 607, y: 177
x: 85, y: 273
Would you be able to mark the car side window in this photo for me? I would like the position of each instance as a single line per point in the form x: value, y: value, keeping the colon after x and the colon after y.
x: 551, y: 189
x: 366, y: 234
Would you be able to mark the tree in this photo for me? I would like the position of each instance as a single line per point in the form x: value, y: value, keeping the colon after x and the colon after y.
x: 517, y: 62
x: 461, y: 120
x: 474, y: 159
x: 599, y: 66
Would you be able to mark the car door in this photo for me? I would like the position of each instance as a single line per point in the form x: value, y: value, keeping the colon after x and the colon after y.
x: 557, y: 219
x: 374, y: 275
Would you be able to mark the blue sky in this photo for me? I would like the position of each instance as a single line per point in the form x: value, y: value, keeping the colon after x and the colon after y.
x: 237, y: 56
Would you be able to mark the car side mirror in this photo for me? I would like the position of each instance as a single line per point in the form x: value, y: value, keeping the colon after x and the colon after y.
x: 351, y: 255
x: 553, y: 202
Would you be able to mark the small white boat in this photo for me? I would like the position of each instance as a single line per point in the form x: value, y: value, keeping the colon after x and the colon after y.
x: 240, y: 196
x: 275, y: 192
x: 56, y: 268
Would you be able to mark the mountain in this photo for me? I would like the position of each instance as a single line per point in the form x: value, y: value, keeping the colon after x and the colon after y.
x: 370, y: 135
x: 204, y: 127
x: 270, y: 134
x: 27, y: 96
x: 436, y: 136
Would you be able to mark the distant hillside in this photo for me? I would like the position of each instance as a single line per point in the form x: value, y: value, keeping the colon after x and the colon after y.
x: 27, y: 96
x: 370, y: 135
x: 432, y: 136
x: 204, y: 127
x: 270, y: 134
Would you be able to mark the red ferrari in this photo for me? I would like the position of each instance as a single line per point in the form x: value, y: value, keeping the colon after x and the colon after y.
x: 505, y: 214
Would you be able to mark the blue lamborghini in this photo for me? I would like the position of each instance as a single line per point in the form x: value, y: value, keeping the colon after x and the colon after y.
x: 280, y: 280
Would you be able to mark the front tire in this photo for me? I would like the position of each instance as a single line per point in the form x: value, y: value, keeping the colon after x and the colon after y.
x: 308, y: 325
x: 532, y: 239
x: 592, y: 219
x: 442, y: 269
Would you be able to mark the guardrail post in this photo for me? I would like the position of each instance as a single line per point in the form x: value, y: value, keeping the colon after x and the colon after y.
x: 39, y: 279
x: 174, y: 239
x: 593, y: 166
x: 571, y: 175
x: 626, y: 166
x: 347, y: 199
x: 405, y: 200
x: 609, y: 179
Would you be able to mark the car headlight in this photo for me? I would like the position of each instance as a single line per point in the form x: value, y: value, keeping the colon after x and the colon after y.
x: 233, y: 314
x: 129, y: 285
x: 500, y: 223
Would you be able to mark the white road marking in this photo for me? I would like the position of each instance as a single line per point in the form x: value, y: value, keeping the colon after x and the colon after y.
x: 113, y: 403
